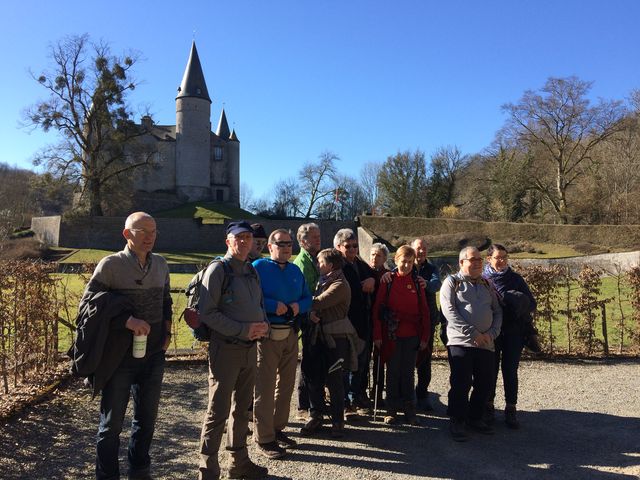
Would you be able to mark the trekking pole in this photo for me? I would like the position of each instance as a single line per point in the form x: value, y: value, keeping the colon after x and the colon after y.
x: 377, y: 380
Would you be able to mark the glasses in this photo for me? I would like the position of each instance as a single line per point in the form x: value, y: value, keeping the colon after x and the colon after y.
x: 473, y: 259
x: 350, y: 245
x: 145, y: 232
x: 501, y: 258
x: 283, y: 244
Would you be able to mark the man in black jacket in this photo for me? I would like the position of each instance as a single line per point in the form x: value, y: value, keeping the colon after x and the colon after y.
x: 362, y: 282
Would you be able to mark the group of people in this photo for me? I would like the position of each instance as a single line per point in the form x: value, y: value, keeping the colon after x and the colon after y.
x: 346, y: 311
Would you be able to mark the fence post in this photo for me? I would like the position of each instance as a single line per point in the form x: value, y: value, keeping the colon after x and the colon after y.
x: 605, y: 335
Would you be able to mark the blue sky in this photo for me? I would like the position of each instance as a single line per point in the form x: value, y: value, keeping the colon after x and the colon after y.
x: 363, y: 79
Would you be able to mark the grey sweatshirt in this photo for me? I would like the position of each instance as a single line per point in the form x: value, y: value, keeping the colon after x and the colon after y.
x: 470, y: 309
x: 231, y: 314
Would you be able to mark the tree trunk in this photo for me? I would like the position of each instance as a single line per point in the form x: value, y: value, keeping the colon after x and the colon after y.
x: 95, y: 198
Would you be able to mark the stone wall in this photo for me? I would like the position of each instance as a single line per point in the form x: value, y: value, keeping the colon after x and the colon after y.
x: 176, y: 234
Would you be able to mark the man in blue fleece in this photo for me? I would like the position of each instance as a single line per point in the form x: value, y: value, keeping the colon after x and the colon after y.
x: 286, y: 296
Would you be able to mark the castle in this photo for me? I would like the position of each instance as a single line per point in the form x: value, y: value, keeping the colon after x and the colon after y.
x: 190, y: 163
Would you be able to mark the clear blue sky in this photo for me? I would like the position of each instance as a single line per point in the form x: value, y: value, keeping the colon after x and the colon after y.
x: 363, y: 79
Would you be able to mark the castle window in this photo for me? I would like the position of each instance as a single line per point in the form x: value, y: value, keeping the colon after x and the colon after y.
x: 219, y: 195
x: 217, y: 154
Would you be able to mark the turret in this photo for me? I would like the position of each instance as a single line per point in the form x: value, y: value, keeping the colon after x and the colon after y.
x: 193, y: 128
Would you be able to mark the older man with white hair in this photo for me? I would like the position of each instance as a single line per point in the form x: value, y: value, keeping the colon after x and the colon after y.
x: 128, y: 292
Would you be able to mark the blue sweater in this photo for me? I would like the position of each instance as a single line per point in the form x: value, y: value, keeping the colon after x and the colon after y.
x: 282, y: 285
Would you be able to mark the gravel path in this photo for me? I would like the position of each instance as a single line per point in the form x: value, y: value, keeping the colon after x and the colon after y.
x: 580, y: 420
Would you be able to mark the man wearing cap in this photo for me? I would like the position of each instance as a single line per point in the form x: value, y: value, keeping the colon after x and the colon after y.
x: 259, y: 242
x: 286, y: 298
x: 236, y: 318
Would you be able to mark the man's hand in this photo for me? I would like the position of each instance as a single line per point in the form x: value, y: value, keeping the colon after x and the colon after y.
x: 138, y: 326
x: 314, y: 317
x: 423, y: 345
x: 281, y: 309
x: 482, y: 340
x: 422, y: 282
x: 377, y: 344
x: 258, y: 330
x: 295, y: 307
x: 368, y: 285
x: 386, y: 278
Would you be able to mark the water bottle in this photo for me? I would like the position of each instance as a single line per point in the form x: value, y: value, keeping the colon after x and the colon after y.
x: 139, y: 346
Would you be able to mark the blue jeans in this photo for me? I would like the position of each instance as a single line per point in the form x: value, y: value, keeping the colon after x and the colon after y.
x: 141, y: 378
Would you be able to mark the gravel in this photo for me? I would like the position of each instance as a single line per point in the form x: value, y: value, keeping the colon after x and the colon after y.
x: 579, y: 420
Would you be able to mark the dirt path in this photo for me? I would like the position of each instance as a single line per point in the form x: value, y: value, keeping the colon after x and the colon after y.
x: 580, y: 420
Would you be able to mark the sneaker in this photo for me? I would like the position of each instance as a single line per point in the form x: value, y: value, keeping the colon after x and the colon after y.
x: 510, y: 417
x: 248, y: 470
x: 480, y: 426
x: 458, y: 432
x: 337, y: 430
x: 489, y: 414
x: 350, y: 412
x: 391, y: 418
x: 311, y: 427
x: 285, y: 441
x: 424, y: 404
x: 271, y: 450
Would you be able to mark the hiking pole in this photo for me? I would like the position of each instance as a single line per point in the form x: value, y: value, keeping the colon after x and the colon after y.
x: 377, y: 380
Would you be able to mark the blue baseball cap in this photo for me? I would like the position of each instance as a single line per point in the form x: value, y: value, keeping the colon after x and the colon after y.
x: 235, y: 228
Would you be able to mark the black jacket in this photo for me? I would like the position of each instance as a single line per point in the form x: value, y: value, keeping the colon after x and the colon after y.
x: 102, y: 340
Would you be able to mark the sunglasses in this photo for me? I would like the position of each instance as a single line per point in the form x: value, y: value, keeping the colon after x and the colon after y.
x: 283, y: 244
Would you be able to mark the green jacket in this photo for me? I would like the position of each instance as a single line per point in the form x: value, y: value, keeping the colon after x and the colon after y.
x: 307, y: 264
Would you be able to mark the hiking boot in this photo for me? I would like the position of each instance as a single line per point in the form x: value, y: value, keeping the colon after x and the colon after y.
x: 532, y: 342
x: 285, y: 441
x: 311, y: 427
x: 480, y: 426
x: 489, y: 413
x: 510, y: 417
x: 271, y: 450
x: 424, y: 404
x: 410, y: 416
x: 248, y: 470
x: 337, y: 430
x: 458, y: 432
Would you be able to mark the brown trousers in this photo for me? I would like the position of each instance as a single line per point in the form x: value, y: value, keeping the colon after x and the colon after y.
x: 275, y: 380
x: 232, y: 370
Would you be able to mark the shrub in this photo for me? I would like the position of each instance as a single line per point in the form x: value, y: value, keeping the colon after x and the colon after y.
x: 22, y: 249
x: 588, y: 248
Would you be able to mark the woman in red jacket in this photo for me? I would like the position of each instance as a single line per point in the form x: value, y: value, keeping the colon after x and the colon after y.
x: 400, y: 329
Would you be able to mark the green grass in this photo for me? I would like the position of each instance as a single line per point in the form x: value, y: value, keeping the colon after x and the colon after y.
x: 209, y: 212
x: 88, y: 255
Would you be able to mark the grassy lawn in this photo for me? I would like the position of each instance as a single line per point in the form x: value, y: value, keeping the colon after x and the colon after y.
x: 209, y: 212
x: 72, y: 285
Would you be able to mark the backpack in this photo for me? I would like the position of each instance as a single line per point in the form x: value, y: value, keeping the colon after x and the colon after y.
x: 201, y: 331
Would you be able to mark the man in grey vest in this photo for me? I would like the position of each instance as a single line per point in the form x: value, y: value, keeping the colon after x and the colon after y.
x: 236, y: 318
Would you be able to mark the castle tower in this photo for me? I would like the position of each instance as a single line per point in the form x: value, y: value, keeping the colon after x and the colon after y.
x: 193, y: 127
x: 233, y: 149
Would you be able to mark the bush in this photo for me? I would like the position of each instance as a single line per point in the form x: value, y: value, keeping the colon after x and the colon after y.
x: 454, y: 242
x: 22, y: 234
x: 518, y: 246
x: 22, y: 249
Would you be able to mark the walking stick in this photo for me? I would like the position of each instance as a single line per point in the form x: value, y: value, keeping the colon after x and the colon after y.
x: 377, y: 379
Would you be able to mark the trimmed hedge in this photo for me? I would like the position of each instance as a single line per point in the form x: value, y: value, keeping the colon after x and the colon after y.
x: 626, y: 237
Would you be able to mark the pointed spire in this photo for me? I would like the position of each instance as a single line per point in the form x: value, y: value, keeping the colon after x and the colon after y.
x: 233, y: 137
x: 193, y: 84
x: 223, y: 126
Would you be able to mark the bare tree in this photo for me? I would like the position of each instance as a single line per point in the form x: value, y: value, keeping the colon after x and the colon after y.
x: 87, y: 89
x: 246, y: 196
x: 446, y: 166
x: 369, y: 183
x: 316, y: 181
x: 560, y: 129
